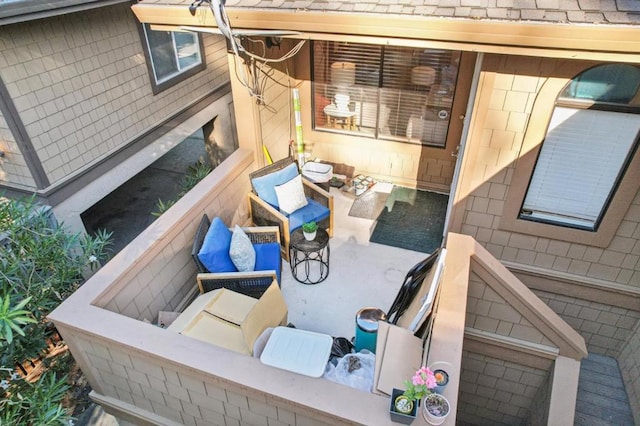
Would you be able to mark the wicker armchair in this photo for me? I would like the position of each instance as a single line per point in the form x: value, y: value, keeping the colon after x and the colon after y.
x: 253, y: 283
x: 264, y: 214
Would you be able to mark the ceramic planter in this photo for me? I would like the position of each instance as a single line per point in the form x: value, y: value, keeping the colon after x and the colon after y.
x: 441, y: 371
x: 309, y: 236
x: 442, y: 379
x: 399, y: 417
x: 435, y: 408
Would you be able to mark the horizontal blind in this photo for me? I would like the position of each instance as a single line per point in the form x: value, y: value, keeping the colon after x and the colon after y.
x: 397, y: 93
x: 579, y: 165
x: 417, y: 104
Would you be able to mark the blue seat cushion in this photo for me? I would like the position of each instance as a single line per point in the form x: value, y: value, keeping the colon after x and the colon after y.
x: 265, y: 185
x: 268, y: 258
x: 312, y: 211
x: 214, y: 253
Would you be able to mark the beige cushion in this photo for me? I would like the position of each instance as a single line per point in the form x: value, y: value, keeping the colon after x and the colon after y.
x: 291, y: 195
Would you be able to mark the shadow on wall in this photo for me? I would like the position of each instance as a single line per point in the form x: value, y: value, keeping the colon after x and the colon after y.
x: 129, y: 209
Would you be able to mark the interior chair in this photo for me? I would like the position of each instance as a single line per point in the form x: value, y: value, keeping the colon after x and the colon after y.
x: 273, y: 187
x: 367, y: 114
x: 217, y: 270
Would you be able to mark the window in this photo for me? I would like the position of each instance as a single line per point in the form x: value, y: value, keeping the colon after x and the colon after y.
x: 590, y: 141
x: 172, y: 56
x: 384, y: 92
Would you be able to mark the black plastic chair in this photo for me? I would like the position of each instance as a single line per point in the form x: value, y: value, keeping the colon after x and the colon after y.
x: 410, y: 287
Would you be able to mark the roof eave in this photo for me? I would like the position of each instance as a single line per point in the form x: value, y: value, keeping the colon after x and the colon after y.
x: 29, y: 10
x: 532, y: 35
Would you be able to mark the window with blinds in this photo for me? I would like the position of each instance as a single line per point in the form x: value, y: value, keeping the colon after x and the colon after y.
x: 592, y: 136
x: 384, y: 92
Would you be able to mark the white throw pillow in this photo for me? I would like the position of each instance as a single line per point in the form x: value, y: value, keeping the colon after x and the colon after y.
x: 241, y: 251
x: 291, y: 195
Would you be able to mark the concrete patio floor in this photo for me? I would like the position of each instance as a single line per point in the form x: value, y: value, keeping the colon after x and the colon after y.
x: 362, y: 274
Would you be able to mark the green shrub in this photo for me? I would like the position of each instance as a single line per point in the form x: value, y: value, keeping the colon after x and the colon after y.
x: 195, y: 173
x: 40, y: 265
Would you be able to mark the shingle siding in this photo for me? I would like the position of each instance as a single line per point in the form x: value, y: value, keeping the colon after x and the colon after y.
x: 82, y: 90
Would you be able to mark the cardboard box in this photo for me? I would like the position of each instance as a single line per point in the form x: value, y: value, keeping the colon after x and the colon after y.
x: 398, y: 355
x: 232, y: 320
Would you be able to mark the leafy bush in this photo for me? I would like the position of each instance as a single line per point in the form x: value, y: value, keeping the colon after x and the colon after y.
x: 195, y: 173
x: 40, y: 265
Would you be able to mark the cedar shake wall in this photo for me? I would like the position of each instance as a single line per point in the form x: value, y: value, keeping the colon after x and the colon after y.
x: 605, y: 328
x: 487, y: 311
x: 276, y: 117
x: 80, y: 84
x: 509, y: 88
x: 499, y: 138
x: 629, y: 361
x: 540, y: 405
x: 497, y: 392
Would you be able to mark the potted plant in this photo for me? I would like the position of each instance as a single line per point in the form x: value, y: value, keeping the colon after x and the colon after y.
x: 441, y: 373
x: 402, y: 409
x: 418, y: 387
x: 442, y: 378
x: 309, y: 230
x: 435, y: 408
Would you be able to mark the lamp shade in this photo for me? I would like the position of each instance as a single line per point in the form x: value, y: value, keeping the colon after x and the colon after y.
x: 343, y: 73
x: 423, y: 76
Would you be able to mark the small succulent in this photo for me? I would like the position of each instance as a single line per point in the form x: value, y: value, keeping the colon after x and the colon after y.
x: 310, y: 226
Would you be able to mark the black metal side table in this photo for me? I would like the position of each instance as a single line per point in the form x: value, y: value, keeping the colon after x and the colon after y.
x: 309, y: 260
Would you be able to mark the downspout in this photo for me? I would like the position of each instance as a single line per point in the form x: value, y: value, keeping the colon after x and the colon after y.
x: 463, y: 142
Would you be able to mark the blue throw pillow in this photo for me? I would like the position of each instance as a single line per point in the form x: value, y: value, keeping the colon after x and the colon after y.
x: 214, y: 253
x: 265, y: 185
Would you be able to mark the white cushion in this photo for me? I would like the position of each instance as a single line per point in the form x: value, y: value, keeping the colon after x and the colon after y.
x: 241, y: 251
x: 291, y: 195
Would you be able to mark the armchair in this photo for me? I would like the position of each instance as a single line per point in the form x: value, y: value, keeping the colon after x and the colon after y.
x: 265, y: 211
x: 252, y: 283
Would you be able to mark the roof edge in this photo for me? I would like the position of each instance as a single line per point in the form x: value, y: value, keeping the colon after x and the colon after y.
x: 29, y: 10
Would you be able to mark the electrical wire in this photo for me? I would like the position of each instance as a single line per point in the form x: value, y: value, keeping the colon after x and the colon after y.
x: 249, y: 67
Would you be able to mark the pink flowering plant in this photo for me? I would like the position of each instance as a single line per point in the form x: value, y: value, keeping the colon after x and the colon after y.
x: 420, y: 385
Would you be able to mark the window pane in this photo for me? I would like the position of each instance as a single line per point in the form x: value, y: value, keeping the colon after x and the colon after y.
x: 580, y: 162
x: 188, y: 50
x: 162, y: 52
x: 611, y: 83
x: 172, y: 53
x: 385, y: 92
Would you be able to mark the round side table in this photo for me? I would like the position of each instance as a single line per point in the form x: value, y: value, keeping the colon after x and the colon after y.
x: 309, y: 260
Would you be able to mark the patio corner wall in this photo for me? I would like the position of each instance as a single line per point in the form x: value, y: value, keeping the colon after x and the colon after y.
x: 594, y: 289
x: 629, y: 361
x: 144, y: 374
x: 518, y: 354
